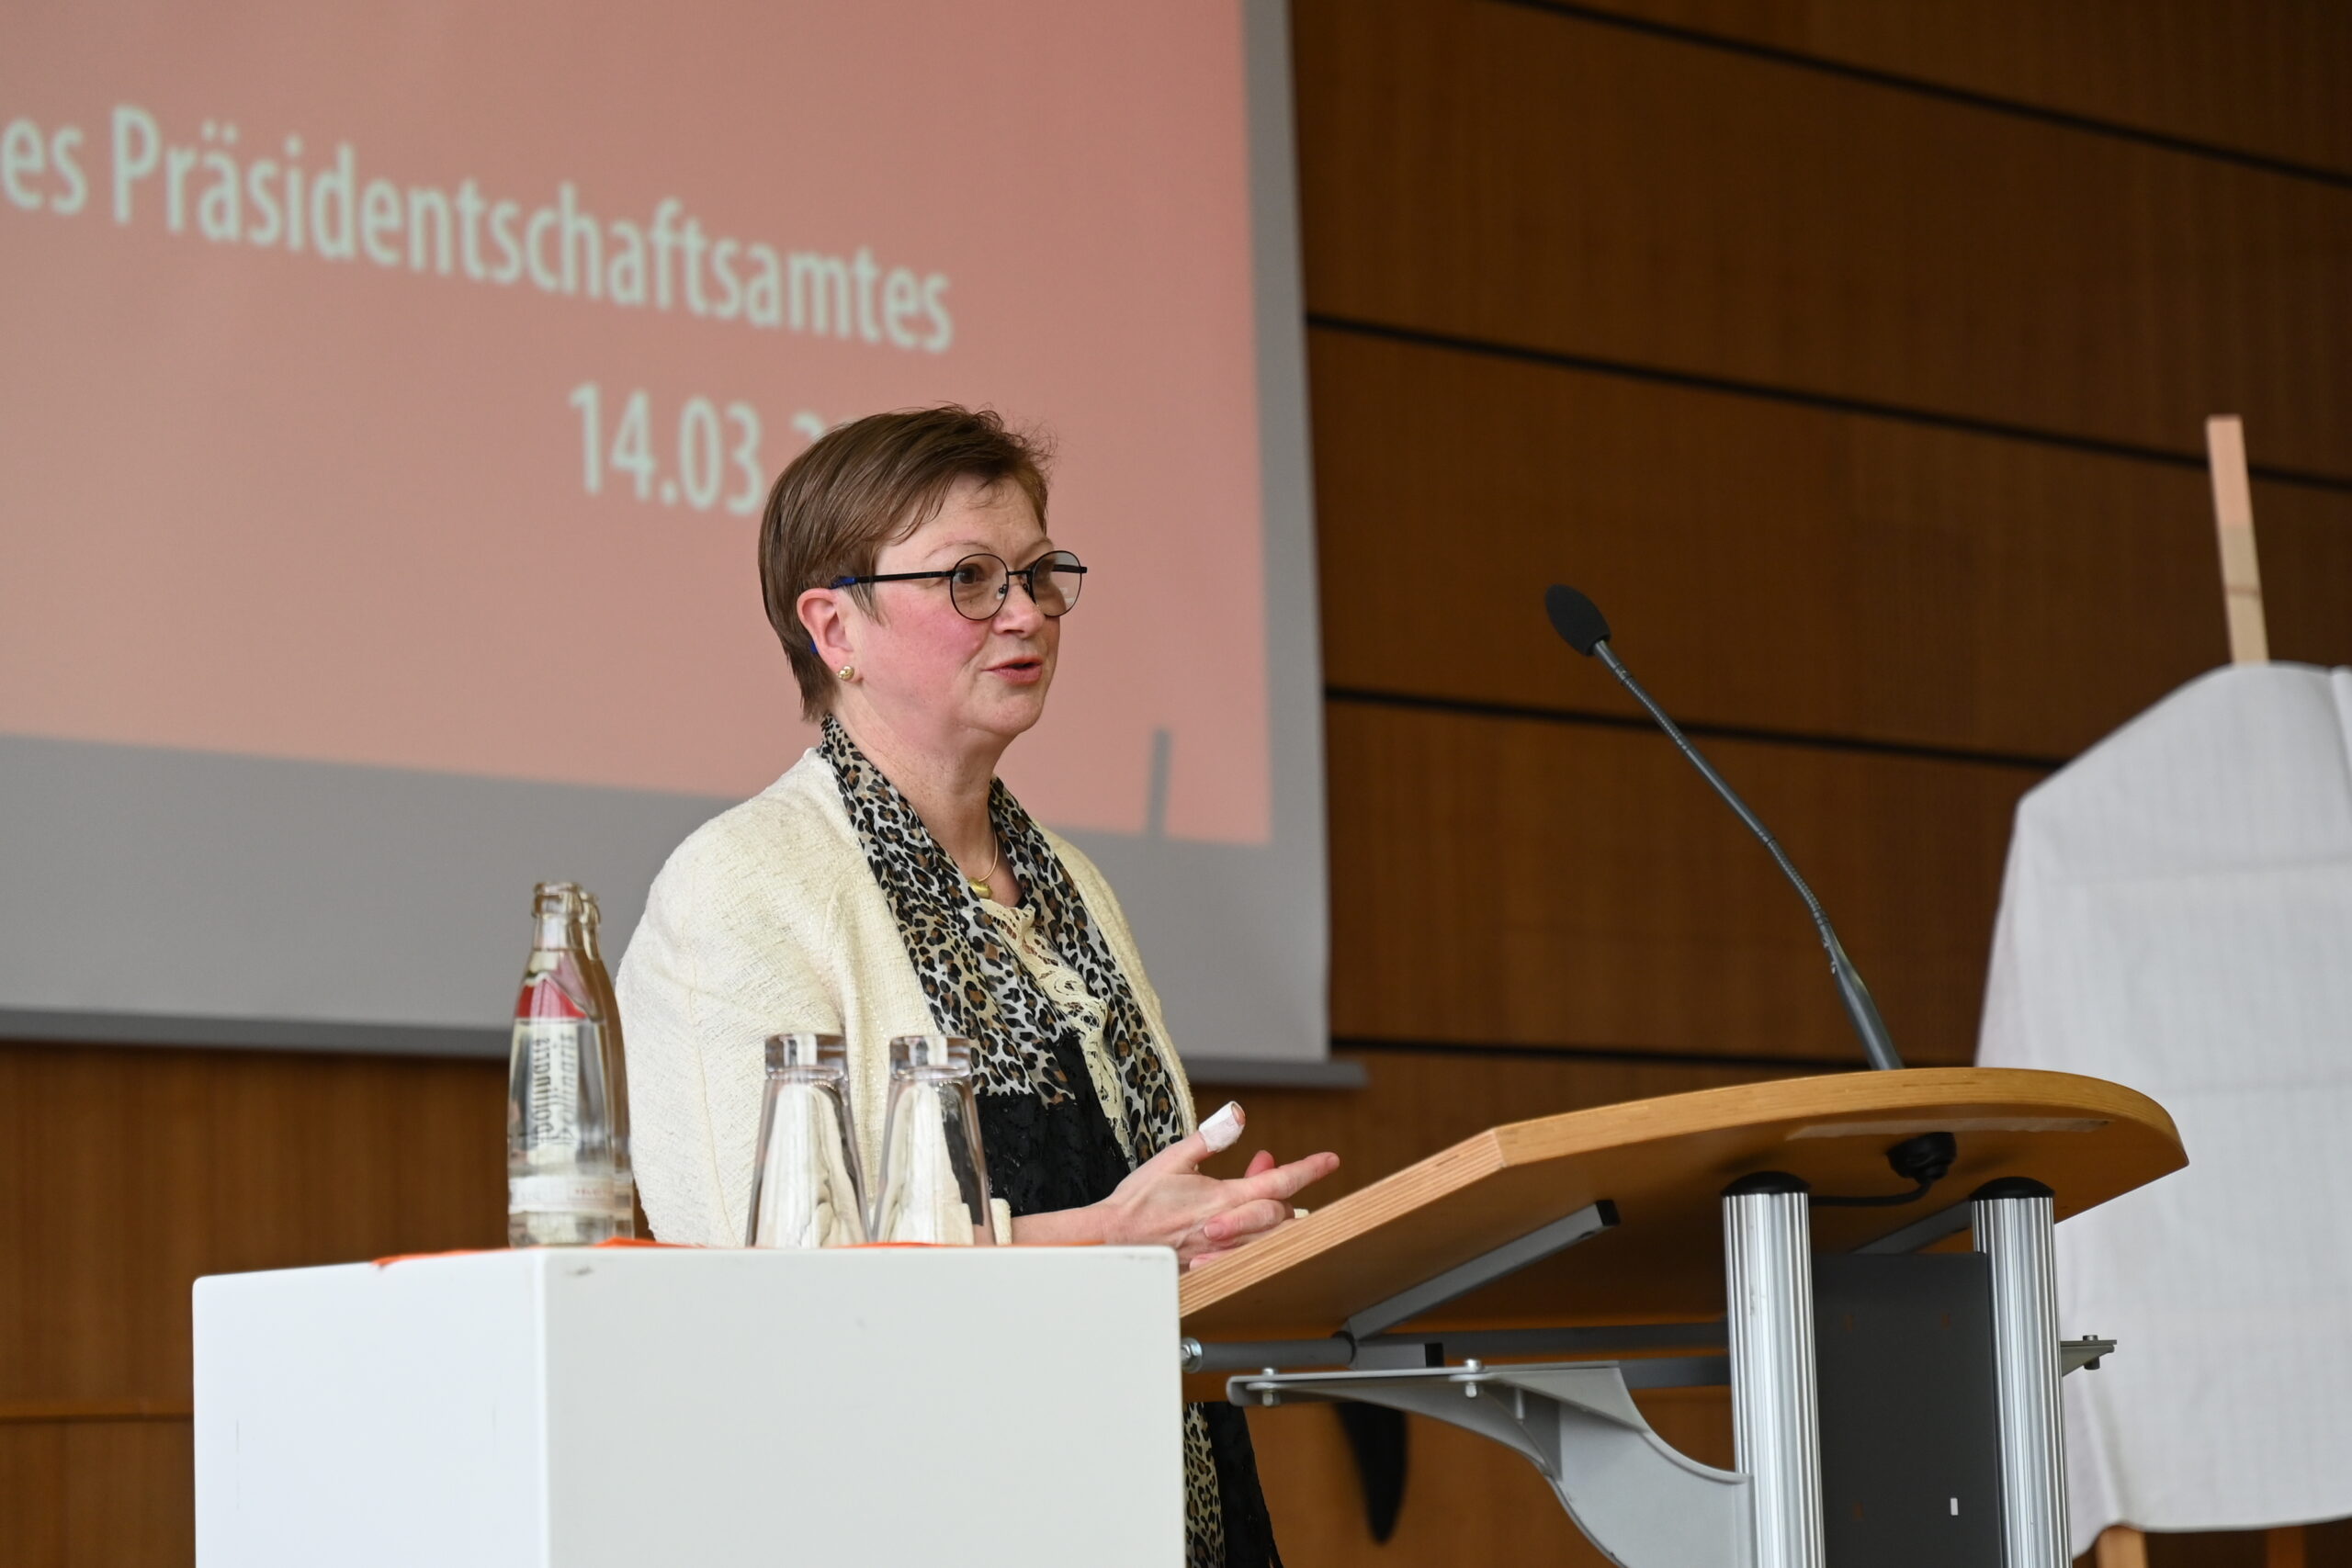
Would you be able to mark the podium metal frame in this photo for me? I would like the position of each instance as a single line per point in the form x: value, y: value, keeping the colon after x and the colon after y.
x: 1640, y: 1502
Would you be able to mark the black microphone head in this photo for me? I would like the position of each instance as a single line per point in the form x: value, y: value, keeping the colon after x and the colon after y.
x: 1577, y: 618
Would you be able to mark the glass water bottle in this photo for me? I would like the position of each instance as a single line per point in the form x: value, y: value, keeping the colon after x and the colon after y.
x: 558, y: 1128
x: 807, y: 1190
x: 934, y: 1178
x: 608, y: 1020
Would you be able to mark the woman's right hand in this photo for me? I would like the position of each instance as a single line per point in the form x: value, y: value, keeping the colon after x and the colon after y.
x: 1166, y: 1201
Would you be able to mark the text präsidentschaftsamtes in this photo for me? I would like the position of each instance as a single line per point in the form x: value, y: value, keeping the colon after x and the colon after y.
x: 667, y: 262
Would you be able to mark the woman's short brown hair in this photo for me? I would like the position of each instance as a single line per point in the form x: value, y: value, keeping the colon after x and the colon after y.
x: 867, y: 484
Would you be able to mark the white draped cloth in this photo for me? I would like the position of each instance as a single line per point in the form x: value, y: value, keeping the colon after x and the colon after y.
x: 2177, y: 917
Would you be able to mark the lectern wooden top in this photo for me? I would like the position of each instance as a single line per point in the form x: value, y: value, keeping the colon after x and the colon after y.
x: 1664, y: 1163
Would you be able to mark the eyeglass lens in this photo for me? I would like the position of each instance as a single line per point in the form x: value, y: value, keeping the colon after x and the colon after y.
x: 979, y: 584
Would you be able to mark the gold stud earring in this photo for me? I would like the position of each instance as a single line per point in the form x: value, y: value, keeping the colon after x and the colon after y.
x: 847, y: 671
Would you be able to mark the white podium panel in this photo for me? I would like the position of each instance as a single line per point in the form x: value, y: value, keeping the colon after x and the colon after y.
x: 585, y: 1408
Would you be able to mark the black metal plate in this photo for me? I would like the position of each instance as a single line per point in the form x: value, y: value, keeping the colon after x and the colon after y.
x: 1910, y: 1437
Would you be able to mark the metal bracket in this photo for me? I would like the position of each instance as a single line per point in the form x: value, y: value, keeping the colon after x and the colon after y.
x: 1233, y: 1355
x: 1226, y: 1356
x: 1586, y: 1340
x: 1484, y: 1269
x: 1635, y: 1496
x: 2082, y: 1355
x: 1924, y: 1232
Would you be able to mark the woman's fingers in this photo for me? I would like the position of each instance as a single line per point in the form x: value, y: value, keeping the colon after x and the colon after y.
x: 1285, y: 1180
x: 1166, y: 1201
x: 1260, y: 1199
x: 1243, y: 1220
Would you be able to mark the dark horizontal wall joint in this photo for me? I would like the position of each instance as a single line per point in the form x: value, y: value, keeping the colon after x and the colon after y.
x: 1559, y: 361
x: 1622, y: 1056
x: 1362, y: 697
x: 1991, y: 102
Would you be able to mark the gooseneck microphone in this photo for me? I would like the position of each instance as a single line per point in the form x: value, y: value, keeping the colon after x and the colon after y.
x: 1583, y: 628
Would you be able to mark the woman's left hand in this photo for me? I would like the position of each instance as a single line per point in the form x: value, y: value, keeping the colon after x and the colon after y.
x: 1166, y: 1201
x: 1259, y: 1163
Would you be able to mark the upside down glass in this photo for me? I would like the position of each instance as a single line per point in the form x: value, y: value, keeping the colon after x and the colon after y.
x: 934, y: 1178
x: 806, y: 1189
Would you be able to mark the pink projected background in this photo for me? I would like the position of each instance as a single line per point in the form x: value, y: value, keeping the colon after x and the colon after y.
x: 310, y: 473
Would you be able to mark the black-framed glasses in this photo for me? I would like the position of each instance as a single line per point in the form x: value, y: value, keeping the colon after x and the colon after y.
x: 977, y: 585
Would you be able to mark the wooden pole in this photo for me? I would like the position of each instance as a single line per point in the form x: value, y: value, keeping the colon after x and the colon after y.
x: 2233, y: 521
x: 2121, y: 1546
x: 2283, y: 1547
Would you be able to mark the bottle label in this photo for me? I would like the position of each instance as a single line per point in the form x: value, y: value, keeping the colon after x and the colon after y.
x: 559, y: 1194
x: 552, y: 1047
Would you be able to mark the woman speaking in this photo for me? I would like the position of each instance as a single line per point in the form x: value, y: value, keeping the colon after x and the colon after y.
x: 889, y: 885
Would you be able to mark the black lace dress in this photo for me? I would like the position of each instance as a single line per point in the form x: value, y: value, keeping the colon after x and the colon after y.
x: 1043, y: 1158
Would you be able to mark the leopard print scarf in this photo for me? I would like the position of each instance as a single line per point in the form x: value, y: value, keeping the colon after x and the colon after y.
x: 974, y: 983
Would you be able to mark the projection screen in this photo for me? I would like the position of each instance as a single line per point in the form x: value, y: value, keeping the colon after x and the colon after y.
x: 391, y: 396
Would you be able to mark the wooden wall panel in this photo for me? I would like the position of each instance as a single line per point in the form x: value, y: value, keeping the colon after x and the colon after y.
x: 1522, y: 881
x: 97, y: 1494
x: 2305, y: 537
x: 125, y: 1174
x: 1775, y: 565
x: 1532, y: 178
x: 2265, y: 80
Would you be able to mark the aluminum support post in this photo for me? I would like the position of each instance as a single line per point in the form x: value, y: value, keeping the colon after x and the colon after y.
x: 2013, y: 1220
x: 1775, y: 1402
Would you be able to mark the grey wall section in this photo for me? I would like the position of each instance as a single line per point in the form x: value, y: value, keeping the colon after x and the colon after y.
x: 186, y: 898
x: 178, y: 886
x: 1292, y: 1018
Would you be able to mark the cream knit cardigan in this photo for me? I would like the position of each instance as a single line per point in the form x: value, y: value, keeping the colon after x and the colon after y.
x: 768, y: 919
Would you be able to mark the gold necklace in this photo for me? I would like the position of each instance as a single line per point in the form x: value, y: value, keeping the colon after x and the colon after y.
x: 979, y: 884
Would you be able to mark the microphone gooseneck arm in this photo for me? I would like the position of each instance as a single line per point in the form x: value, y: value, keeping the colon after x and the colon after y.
x: 1876, y: 1043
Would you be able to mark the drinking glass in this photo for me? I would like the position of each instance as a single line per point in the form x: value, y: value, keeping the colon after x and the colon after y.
x: 934, y: 1178
x: 806, y: 1189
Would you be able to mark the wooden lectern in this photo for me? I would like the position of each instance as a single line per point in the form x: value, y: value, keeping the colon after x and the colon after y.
x: 1895, y: 1393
